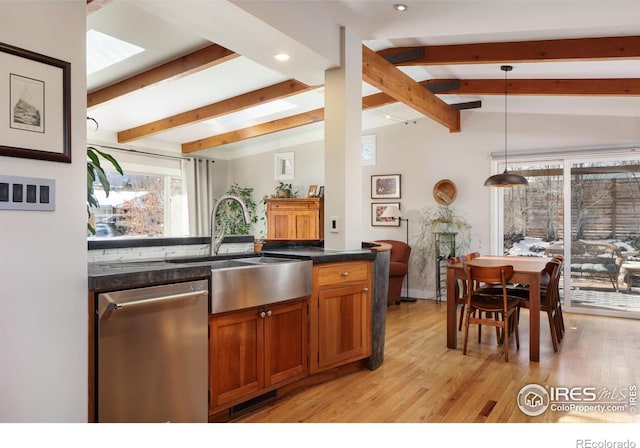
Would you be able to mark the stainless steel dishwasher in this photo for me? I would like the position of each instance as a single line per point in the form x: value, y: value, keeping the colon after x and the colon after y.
x: 153, y: 354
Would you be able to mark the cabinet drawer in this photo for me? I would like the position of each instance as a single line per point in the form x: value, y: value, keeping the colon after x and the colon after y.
x: 342, y: 273
x: 294, y: 207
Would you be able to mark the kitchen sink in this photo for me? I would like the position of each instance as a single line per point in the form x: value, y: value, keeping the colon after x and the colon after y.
x: 266, y: 260
x: 247, y: 282
x: 223, y: 264
x: 258, y: 281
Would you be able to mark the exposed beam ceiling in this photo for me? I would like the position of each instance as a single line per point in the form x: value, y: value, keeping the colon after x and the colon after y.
x: 383, y: 75
x: 601, y: 48
x: 314, y: 116
x: 395, y: 85
x: 608, y: 87
x: 230, y: 105
x: 191, y: 63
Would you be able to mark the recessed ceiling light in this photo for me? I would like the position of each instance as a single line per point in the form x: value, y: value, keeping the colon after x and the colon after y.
x: 282, y: 56
x: 400, y: 7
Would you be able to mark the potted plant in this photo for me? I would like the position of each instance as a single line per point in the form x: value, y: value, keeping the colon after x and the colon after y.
x: 444, y: 232
x: 230, y: 214
x: 285, y: 190
x: 96, y: 171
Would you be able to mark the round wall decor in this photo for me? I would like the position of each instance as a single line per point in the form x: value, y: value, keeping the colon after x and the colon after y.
x: 444, y: 192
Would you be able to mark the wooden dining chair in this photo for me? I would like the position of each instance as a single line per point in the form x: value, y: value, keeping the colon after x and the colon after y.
x: 550, y: 302
x: 461, y: 289
x: 499, y: 308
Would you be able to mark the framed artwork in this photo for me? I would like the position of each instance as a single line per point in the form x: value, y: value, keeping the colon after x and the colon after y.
x: 313, y: 191
x: 35, y: 105
x: 321, y: 191
x: 284, y: 166
x: 377, y: 209
x: 385, y: 186
x: 368, y: 153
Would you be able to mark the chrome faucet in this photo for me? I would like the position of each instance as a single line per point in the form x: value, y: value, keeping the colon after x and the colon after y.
x: 216, y: 241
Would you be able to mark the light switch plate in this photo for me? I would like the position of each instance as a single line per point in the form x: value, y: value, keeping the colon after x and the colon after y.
x: 334, y: 224
x: 27, y: 193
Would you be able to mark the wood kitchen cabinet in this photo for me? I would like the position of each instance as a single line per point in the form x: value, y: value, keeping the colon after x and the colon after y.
x: 340, y: 314
x: 253, y: 351
x: 295, y: 218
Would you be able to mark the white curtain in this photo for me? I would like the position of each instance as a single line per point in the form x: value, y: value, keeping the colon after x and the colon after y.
x: 198, y: 175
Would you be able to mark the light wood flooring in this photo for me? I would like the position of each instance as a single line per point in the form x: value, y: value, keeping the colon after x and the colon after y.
x: 423, y: 381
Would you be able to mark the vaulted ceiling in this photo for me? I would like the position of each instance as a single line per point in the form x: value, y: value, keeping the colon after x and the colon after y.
x: 207, y: 82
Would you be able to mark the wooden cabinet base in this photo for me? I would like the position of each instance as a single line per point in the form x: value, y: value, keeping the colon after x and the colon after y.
x: 227, y: 413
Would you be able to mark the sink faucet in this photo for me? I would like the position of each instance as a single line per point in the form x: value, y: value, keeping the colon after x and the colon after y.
x: 216, y: 241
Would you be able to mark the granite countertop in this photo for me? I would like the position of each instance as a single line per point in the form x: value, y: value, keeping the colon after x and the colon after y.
x: 110, y: 276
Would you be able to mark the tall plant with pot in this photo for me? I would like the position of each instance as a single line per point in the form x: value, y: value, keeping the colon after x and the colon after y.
x: 438, y: 225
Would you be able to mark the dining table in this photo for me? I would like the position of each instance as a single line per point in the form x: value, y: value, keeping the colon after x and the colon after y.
x: 527, y: 270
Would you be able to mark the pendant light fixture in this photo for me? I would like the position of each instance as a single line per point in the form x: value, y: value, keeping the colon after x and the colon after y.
x: 506, y: 179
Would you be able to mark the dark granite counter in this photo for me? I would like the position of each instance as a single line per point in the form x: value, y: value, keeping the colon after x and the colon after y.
x: 320, y: 254
x: 111, y: 276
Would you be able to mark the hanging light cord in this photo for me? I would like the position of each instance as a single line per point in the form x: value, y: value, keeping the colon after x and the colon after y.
x: 505, y: 120
x: 506, y: 69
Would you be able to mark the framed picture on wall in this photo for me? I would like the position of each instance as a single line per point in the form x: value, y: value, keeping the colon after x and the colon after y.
x: 377, y: 209
x: 386, y: 186
x: 284, y: 166
x: 35, y: 118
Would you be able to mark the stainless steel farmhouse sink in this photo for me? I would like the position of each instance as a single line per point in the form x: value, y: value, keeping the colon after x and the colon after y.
x: 239, y: 283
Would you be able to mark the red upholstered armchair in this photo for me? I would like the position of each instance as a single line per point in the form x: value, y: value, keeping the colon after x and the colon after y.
x: 398, y: 268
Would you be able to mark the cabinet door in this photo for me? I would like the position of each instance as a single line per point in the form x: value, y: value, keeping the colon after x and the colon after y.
x: 286, y: 343
x: 236, y: 355
x: 281, y: 225
x: 344, y: 329
x: 306, y: 225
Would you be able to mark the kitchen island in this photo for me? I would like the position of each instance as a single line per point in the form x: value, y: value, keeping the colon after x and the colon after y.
x: 340, y: 324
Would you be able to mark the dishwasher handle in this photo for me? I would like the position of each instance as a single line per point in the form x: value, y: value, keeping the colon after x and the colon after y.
x: 153, y: 300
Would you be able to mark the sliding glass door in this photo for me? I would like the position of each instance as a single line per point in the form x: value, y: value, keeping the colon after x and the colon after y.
x: 589, y: 212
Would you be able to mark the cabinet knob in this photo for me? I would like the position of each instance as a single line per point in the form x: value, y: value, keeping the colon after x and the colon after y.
x: 269, y: 313
x: 365, y: 289
x: 345, y: 273
x: 263, y: 314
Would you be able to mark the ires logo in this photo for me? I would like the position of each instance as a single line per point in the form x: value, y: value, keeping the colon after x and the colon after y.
x: 534, y: 399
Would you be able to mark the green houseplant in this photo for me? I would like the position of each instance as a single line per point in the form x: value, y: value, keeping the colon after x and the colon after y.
x: 230, y: 213
x: 285, y: 190
x: 96, y: 171
x: 437, y: 223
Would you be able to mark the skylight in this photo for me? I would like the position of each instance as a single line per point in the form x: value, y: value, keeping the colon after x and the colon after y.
x: 104, y: 50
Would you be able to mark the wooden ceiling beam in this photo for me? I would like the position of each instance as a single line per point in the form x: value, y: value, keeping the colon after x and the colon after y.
x: 185, y: 65
x: 593, y: 48
x: 282, y: 124
x: 383, y: 75
x: 241, y: 102
x: 592, y: 87
x: 270, y: 127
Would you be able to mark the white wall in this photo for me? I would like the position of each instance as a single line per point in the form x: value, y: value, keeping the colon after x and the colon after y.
x: 43, y: 267
x: 258, y: 171
x: 425, y: 152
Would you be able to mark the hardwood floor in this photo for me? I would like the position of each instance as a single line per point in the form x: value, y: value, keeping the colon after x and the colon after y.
x: 423, y: 381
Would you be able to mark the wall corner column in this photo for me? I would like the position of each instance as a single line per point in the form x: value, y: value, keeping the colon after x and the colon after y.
x: 343, y: 135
